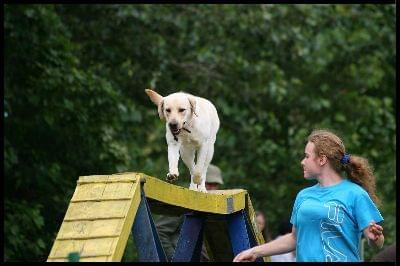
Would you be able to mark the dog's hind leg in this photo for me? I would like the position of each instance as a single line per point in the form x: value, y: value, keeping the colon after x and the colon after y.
x: 209, y: 152
x: 188, y: 154
x: 202, y: 186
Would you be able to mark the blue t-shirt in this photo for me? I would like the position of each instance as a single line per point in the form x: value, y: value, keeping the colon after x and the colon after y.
x: 329, y: 221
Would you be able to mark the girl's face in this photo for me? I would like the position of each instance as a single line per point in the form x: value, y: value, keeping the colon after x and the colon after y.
x: 311, y: 168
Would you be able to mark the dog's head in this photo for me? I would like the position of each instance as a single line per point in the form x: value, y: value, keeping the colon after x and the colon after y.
x: 177, y: 108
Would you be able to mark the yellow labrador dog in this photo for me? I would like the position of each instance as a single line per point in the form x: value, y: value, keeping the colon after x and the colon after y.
x: 192, y: 124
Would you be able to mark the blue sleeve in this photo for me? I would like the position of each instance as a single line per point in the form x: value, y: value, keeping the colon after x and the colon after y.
x: 293, y: 218
x: 365, y: 211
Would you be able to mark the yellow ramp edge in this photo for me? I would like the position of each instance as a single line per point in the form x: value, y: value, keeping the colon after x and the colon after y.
x: 216, y: 201
x: 251, y: 214
x: 100, y: 216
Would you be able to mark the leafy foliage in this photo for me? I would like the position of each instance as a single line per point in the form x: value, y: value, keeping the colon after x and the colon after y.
x: 75, y: 104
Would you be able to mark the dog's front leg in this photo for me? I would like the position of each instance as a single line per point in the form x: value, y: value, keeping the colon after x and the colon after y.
x: 173, y: 159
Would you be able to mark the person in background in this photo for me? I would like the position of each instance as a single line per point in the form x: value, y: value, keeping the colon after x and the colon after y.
x: 329, y: 217
x: 262, y: 225
x: 168, y: 227
x: 284, y: 228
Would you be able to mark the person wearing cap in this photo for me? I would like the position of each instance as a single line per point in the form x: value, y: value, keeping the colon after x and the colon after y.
x: 213, y: 178
x: 168, y: 227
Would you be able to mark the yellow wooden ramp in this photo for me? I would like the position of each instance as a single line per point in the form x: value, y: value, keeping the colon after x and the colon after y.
x: 99, y: 219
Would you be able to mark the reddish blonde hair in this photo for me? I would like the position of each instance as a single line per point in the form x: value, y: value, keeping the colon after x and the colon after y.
x: 358, y: 169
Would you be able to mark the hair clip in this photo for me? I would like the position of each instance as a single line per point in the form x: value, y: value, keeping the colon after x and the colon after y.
x: 345, y: 159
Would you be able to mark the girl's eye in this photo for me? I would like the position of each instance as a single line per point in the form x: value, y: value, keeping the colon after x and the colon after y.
x: 181, y: 110
x: 168, y: 110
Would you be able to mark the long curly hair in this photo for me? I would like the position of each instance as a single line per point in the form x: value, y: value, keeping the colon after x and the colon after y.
x: 358, y: 169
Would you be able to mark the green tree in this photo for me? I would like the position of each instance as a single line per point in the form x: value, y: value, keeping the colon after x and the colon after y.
x: 75, y: 104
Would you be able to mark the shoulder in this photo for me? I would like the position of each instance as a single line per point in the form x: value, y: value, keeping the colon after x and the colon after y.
x: 356, y: 195
x: 356, y: 189
x: 305, y: 191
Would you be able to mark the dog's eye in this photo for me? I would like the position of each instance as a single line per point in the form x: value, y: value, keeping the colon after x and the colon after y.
x: 181, y: 110
x: 168, y: 110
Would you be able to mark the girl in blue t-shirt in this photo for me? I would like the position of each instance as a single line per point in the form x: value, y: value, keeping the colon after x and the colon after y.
x: 329, y: 218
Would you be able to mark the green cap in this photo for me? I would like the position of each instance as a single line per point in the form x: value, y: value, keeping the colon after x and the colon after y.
x: 214, y: 175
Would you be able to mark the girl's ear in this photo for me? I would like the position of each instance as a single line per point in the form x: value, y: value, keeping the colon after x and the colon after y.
x: 323, y: 160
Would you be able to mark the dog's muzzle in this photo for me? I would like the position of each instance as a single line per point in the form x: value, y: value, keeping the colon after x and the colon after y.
x: 174, y: 128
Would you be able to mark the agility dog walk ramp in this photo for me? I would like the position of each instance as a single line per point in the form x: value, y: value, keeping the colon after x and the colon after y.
x: 106, y: 209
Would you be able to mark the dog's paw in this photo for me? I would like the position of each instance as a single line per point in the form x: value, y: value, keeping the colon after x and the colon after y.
x: 193, y: 187
x: 172, y: 177
x: 202, y: 189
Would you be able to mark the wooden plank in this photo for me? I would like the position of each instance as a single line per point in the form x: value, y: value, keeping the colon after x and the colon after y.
x: 120, y: 178
x: 97, y: 210
x: 102, y: 191
x: 90, y: 229
x: 87, y: 247
x: 217, y: 201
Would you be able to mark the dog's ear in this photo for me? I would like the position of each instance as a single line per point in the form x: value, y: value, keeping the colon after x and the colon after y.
x: 161, y: 109
x: 154, y: 96
x: 192, y: 102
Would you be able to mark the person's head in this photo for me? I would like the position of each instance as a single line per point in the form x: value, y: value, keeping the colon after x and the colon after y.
x: 312, y: 164
x: 262, y: 225
x: 326, y: 149
x: 260, y: 220
x: 213, y: 178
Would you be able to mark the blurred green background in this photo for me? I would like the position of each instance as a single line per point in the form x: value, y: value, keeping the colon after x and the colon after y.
x: 74, y: 101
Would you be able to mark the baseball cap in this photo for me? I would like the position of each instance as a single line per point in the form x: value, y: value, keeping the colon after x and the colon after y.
x: 214, y: 175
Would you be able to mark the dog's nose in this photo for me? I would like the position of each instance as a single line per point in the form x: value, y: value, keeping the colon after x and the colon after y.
x: 173, y: 125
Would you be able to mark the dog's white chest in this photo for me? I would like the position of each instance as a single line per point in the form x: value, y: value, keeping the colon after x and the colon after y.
x: 190, y: 139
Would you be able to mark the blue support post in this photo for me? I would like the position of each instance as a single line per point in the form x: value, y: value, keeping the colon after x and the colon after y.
x: 145, y: 234
x: 190, y: 239
x: 240, y: 234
